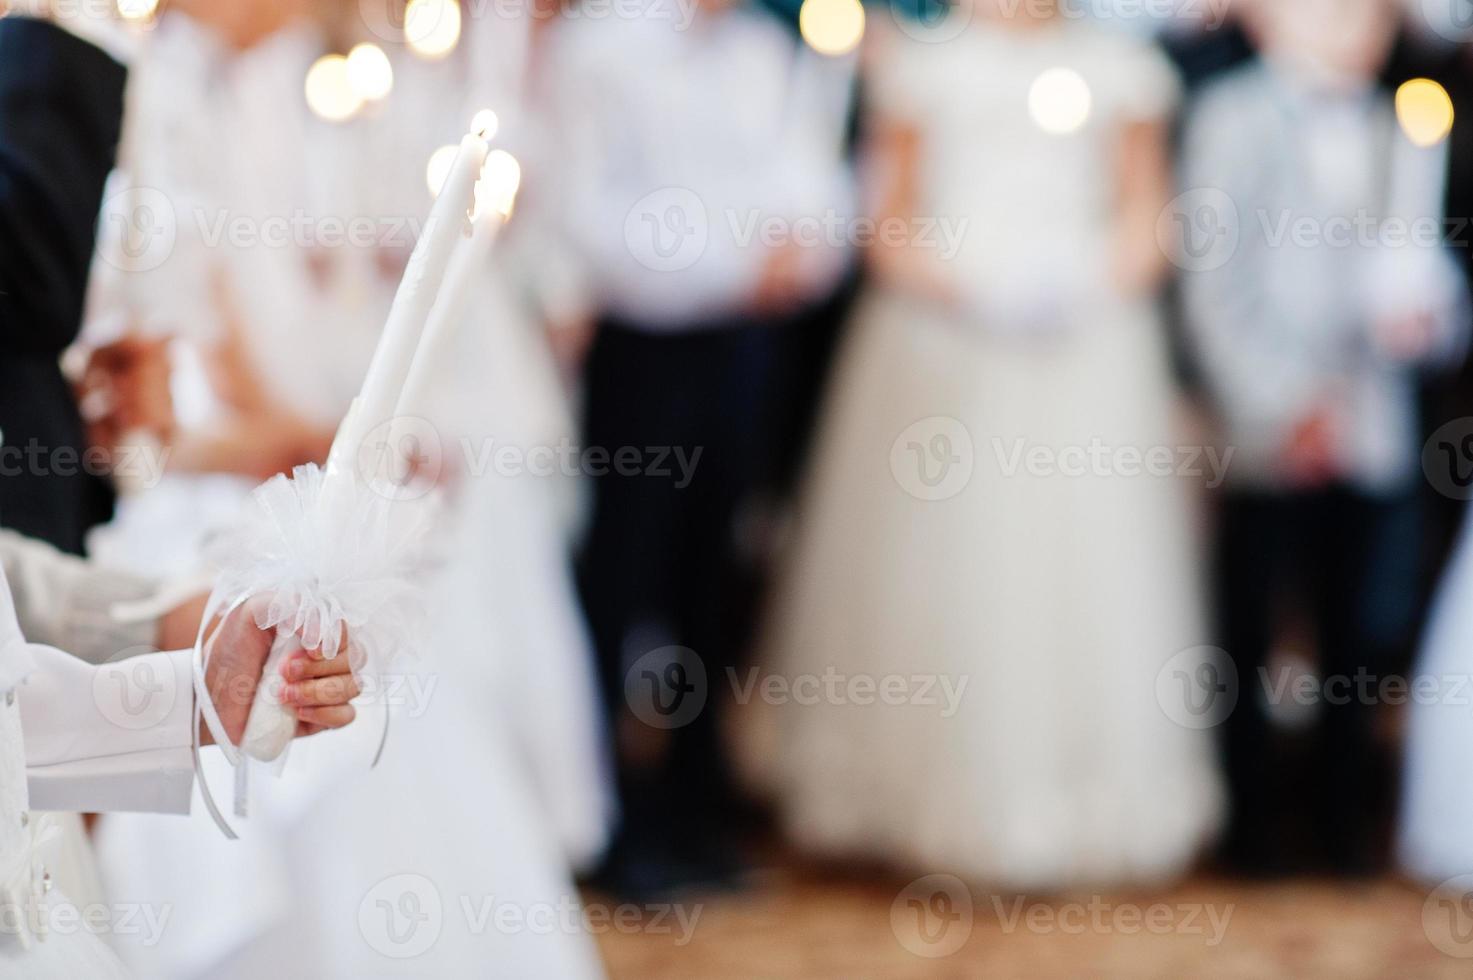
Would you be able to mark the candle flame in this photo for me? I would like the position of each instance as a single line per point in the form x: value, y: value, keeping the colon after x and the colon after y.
x: 832, y: 27
x: 1425, y: 111
x: 485, y: 124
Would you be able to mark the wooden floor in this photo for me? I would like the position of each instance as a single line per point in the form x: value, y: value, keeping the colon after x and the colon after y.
x: 805, y: 922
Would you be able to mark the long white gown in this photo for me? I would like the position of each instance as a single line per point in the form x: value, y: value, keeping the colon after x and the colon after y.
x: 492, y: 782
x: 1435, y: 834
x: 1055, y: 598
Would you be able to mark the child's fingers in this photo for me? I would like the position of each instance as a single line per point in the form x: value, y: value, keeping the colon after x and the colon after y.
x: 303, y: 666
x: 324, y: 691
x: 335, y: 716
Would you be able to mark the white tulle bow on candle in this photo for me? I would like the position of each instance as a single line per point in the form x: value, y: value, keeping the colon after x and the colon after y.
x: 335, y: 547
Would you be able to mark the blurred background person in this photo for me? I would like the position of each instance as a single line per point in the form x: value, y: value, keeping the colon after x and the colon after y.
x: 1047, y: 599
x: 270, y: 340
x: 1311, y: 350
x: 46, y: 491
x: 683, y: 139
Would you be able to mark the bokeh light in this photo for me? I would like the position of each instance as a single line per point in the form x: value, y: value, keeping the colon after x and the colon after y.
x: 1060, y: 101
x: 137, y: 11
x: 438, y: 169
x: 369, y: 72
x: 432, y: 27
x: 1425, y: 111
x: 832, y: 27
x: 500, y: 177
x: 330, y: 92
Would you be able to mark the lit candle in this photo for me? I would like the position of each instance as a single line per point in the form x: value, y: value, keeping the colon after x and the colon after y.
x: 379, y: 397
x: 495, y: 195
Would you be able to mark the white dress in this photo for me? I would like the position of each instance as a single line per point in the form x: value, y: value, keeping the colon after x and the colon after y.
x: 492, y: 781
x: 931, y: 549
x: 1435, y: 834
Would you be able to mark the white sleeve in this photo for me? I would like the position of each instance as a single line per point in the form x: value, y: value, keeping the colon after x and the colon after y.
x: 109, y: 737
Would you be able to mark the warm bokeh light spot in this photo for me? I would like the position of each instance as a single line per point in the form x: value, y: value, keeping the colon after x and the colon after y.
x: 832, y: 27
x: 438, y: 169
x: 1060, y: 101
x: 432, y: 27
x: 330, y: 93
x: 369, y: 72
x: 1425, y: 111
x: 137, y: 11
x: 501, y: 175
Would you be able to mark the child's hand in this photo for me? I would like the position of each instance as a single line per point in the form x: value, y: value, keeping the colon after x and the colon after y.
x: 317, y: 688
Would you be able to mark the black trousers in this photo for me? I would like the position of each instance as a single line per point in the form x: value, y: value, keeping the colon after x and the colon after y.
x: 1350, y: 562
x: 661, y: 565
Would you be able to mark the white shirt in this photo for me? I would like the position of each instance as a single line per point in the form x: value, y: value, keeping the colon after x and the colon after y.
x: 679, y: 143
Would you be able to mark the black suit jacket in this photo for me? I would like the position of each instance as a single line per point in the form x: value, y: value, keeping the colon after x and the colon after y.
x: 61, y: 104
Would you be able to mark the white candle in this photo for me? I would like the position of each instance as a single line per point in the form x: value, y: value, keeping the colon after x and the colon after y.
x: 410, y: 312
x: 495, y: 195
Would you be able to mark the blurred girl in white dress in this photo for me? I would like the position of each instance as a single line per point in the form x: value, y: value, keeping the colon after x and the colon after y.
x: 491, y: 782
x: 953, y: 535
